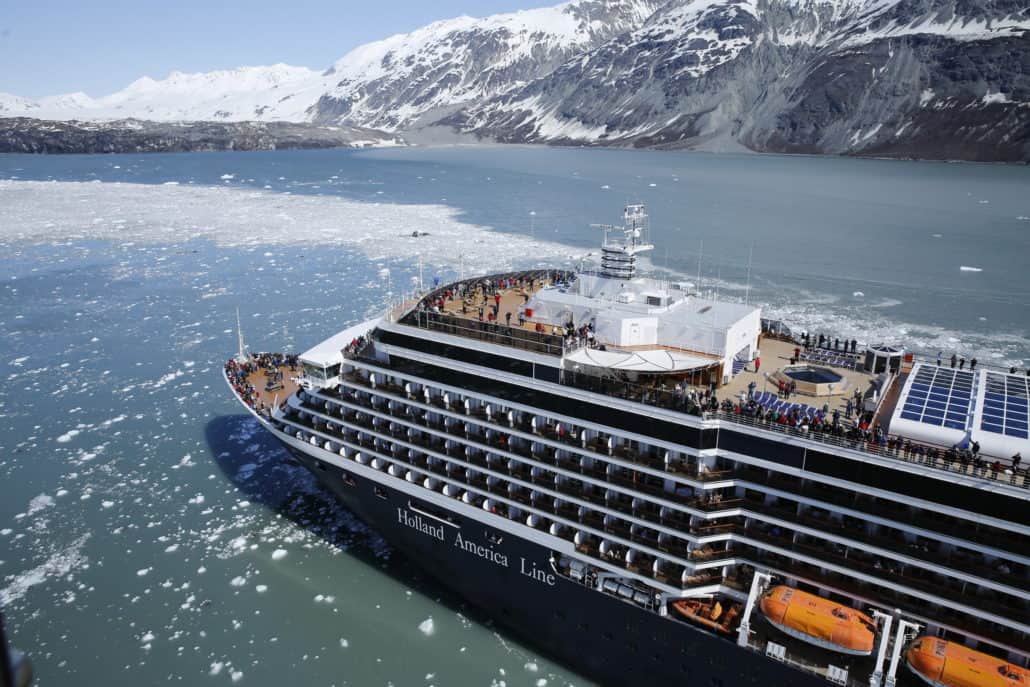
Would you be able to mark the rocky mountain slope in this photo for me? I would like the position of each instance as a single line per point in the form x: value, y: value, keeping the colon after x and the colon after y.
x: 921, y: 78
x: 909, y: 78
x: 28, y: 135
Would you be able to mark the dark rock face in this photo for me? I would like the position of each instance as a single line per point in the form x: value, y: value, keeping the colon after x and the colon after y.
x: 919, y: 78
x: 458, y: 63
x: 25, y: 135
x: 902, y: 78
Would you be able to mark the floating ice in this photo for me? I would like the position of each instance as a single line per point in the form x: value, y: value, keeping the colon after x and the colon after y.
x: 143, y: 571
x: 68, y: 436
x: 967, y: 268
x: 858, y: 294
x: 344, y: 643
x: 238, y: 581
x: 427, y: 627
x: 216, y: 668
x: 38, y: 503
x: 261, y: 588
x: 278, y: 554
x: 233, y: 216
x: 531, y: 666
x: 58, y: 564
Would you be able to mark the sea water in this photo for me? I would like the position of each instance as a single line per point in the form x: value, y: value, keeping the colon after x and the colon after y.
x: 151, y: 534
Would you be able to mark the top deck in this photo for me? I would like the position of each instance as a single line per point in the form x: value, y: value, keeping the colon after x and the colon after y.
x: 479, y: 308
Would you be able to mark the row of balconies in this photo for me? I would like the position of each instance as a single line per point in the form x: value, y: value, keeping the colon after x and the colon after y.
x: 886, y: 508
x: 697, y: 471
x: 578, y: 524
x: 574, y: 437
x: 633, y: 532
x: 1004, y: 572
x: 952, y: 526
x: 609, y: 540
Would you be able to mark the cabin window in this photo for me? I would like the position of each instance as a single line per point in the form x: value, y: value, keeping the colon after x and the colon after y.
x: 380, y: 492
x: 348, y: 479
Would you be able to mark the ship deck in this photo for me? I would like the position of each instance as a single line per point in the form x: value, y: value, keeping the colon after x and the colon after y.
x: 273, y: 397
x: 268, y: 386
x: 775, y: 355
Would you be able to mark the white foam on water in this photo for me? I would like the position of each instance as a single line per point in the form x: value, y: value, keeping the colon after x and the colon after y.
x: 233, y: 216
x: 967, y: 268
x: 57, y: 565
x: 68, y: 436
x: 39, y: 503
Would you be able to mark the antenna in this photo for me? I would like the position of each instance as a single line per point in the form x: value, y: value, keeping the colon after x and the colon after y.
x: 242, y: 355
x: 618, y: 253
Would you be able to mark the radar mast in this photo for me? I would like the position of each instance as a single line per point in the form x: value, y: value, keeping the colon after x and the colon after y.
x: 621, y: 244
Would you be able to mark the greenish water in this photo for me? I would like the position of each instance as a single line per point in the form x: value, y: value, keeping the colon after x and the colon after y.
x: 149, y: 534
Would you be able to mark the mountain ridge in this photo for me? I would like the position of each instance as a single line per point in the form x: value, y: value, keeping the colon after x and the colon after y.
x: 903, y: 78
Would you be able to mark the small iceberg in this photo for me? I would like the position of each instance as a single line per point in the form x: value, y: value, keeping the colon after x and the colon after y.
x: 858, y: 294
x: 967, y: 268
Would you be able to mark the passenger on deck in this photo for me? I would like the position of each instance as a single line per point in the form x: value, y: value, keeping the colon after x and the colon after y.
x: 954, y: 360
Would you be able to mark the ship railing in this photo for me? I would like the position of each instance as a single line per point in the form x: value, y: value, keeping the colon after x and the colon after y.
x: 787, y: 657
x: 489, y: 332
x: 1006, y: 474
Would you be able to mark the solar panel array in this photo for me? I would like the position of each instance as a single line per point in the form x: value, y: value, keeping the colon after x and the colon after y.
x: 940, y: 396
x: 1005, y: 405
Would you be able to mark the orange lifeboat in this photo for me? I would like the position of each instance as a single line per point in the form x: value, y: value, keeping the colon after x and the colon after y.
x: 819, y: 621
x: 946, y: 664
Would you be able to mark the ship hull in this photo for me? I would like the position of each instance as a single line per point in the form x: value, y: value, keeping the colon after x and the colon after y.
x: 511, y: 580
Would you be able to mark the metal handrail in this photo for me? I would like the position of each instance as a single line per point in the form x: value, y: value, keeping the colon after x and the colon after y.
x: 873, y: 448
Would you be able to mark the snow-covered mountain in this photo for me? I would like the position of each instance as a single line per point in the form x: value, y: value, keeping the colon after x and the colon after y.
x: 393, y: 84
x: 921, y: 78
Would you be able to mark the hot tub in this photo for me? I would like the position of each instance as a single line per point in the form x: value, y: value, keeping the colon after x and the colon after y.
x: 814, y: 380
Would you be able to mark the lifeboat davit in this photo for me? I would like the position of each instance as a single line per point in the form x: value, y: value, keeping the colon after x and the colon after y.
x: 819, y: 621
x: 947, y: 664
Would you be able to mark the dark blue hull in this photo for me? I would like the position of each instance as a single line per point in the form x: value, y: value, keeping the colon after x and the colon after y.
x: 511, y: 580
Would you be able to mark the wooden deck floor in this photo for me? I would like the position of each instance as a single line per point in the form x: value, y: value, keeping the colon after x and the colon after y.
x: 274, y: 397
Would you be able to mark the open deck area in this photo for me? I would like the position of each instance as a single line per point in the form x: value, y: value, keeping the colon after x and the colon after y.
x: 266, y: 382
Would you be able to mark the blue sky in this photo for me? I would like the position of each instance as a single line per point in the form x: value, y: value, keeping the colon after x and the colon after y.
x: 100, y: 46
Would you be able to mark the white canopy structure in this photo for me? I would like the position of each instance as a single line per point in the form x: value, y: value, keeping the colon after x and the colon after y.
x: 651, y: 360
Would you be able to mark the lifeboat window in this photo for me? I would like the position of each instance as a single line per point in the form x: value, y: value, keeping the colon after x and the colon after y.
x: 840, y: 613
x: 1008, y: 672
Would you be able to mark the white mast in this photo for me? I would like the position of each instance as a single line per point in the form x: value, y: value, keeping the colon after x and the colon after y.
x: 618, y: 253
x: 242, y: 355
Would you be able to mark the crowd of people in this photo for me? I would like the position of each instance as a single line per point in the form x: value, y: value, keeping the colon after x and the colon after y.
x: 238, y: 373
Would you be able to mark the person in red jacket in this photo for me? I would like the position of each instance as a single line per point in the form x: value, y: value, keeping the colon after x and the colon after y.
x: 758, y: 364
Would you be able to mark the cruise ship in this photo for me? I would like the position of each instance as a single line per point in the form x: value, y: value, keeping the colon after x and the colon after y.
x: 654, y: 486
